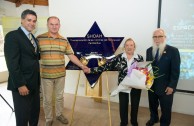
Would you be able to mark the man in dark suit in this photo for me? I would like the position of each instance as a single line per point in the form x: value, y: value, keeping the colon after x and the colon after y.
x: 166, y: 63
x: 22, y: 59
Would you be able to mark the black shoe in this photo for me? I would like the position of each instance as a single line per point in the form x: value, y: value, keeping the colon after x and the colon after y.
x: 121, y: 124
x: 151, y: 123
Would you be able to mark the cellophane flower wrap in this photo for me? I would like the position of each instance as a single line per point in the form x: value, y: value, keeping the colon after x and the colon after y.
x: 140, y: 76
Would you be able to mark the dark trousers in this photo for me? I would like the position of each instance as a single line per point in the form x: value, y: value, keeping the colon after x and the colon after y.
x: 124, y: 104
x: 27, y: 108
x: 165, y: 102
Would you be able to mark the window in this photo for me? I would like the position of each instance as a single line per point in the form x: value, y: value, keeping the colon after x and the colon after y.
x: 1, y: 41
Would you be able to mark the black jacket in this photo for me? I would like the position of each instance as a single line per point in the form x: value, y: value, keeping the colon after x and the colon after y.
x: 22, y: 61
x: 169, y: 67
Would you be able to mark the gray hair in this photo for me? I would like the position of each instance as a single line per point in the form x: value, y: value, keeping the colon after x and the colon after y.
x: 160, y: 29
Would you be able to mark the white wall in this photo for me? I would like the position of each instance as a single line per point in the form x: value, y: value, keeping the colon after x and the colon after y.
x: 116, y: 18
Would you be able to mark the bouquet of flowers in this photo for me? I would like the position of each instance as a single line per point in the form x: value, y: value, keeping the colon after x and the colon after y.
x: 140, y: 76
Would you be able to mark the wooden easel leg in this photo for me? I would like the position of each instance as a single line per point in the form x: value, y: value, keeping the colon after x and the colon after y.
x: 75, y: 96
x: 108, y: 99
x: 96, y: 91
x: 99, y: 89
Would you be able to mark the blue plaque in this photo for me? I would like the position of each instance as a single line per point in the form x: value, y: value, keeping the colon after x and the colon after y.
x: 93, y: 50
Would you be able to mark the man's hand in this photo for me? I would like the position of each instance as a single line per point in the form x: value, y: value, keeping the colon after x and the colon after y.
x: 23, y: 90
x: 169, y: 91
x: 86, y: 69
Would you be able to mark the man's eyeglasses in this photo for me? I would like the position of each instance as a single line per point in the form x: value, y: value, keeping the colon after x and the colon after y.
x: 159, y: 37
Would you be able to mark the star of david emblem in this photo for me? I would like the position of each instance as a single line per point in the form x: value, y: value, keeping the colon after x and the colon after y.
x: 92, y: 47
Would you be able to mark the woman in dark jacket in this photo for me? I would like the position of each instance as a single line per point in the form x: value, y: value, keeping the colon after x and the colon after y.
x: 121, y: 63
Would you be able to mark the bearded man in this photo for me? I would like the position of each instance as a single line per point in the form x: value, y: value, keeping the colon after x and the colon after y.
x: 166, y: 66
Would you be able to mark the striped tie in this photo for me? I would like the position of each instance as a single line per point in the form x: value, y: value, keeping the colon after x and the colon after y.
x: 32, y: 41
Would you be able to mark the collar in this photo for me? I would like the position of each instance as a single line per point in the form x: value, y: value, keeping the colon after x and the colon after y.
x: 25, y: 31
x: 58, y: 35
x: 124, y: 55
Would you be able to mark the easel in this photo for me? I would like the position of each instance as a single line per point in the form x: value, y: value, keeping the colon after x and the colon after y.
x: 7, y: 103
x: 95, y: 91
x: 75, y: 96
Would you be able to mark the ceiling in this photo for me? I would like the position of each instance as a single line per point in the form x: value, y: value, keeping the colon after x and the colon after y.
x: 32, y: 2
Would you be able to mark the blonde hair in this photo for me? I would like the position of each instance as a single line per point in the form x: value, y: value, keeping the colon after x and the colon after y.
x: 130, y: 39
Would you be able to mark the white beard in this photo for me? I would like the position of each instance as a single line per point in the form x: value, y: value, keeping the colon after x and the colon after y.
x: 161, y: 49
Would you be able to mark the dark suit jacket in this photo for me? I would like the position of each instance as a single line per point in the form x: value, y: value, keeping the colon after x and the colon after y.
x: 22, y: 61
x: 169, y: 67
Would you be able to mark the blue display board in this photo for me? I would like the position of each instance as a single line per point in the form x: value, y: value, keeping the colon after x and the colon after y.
x: 92, y: 48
